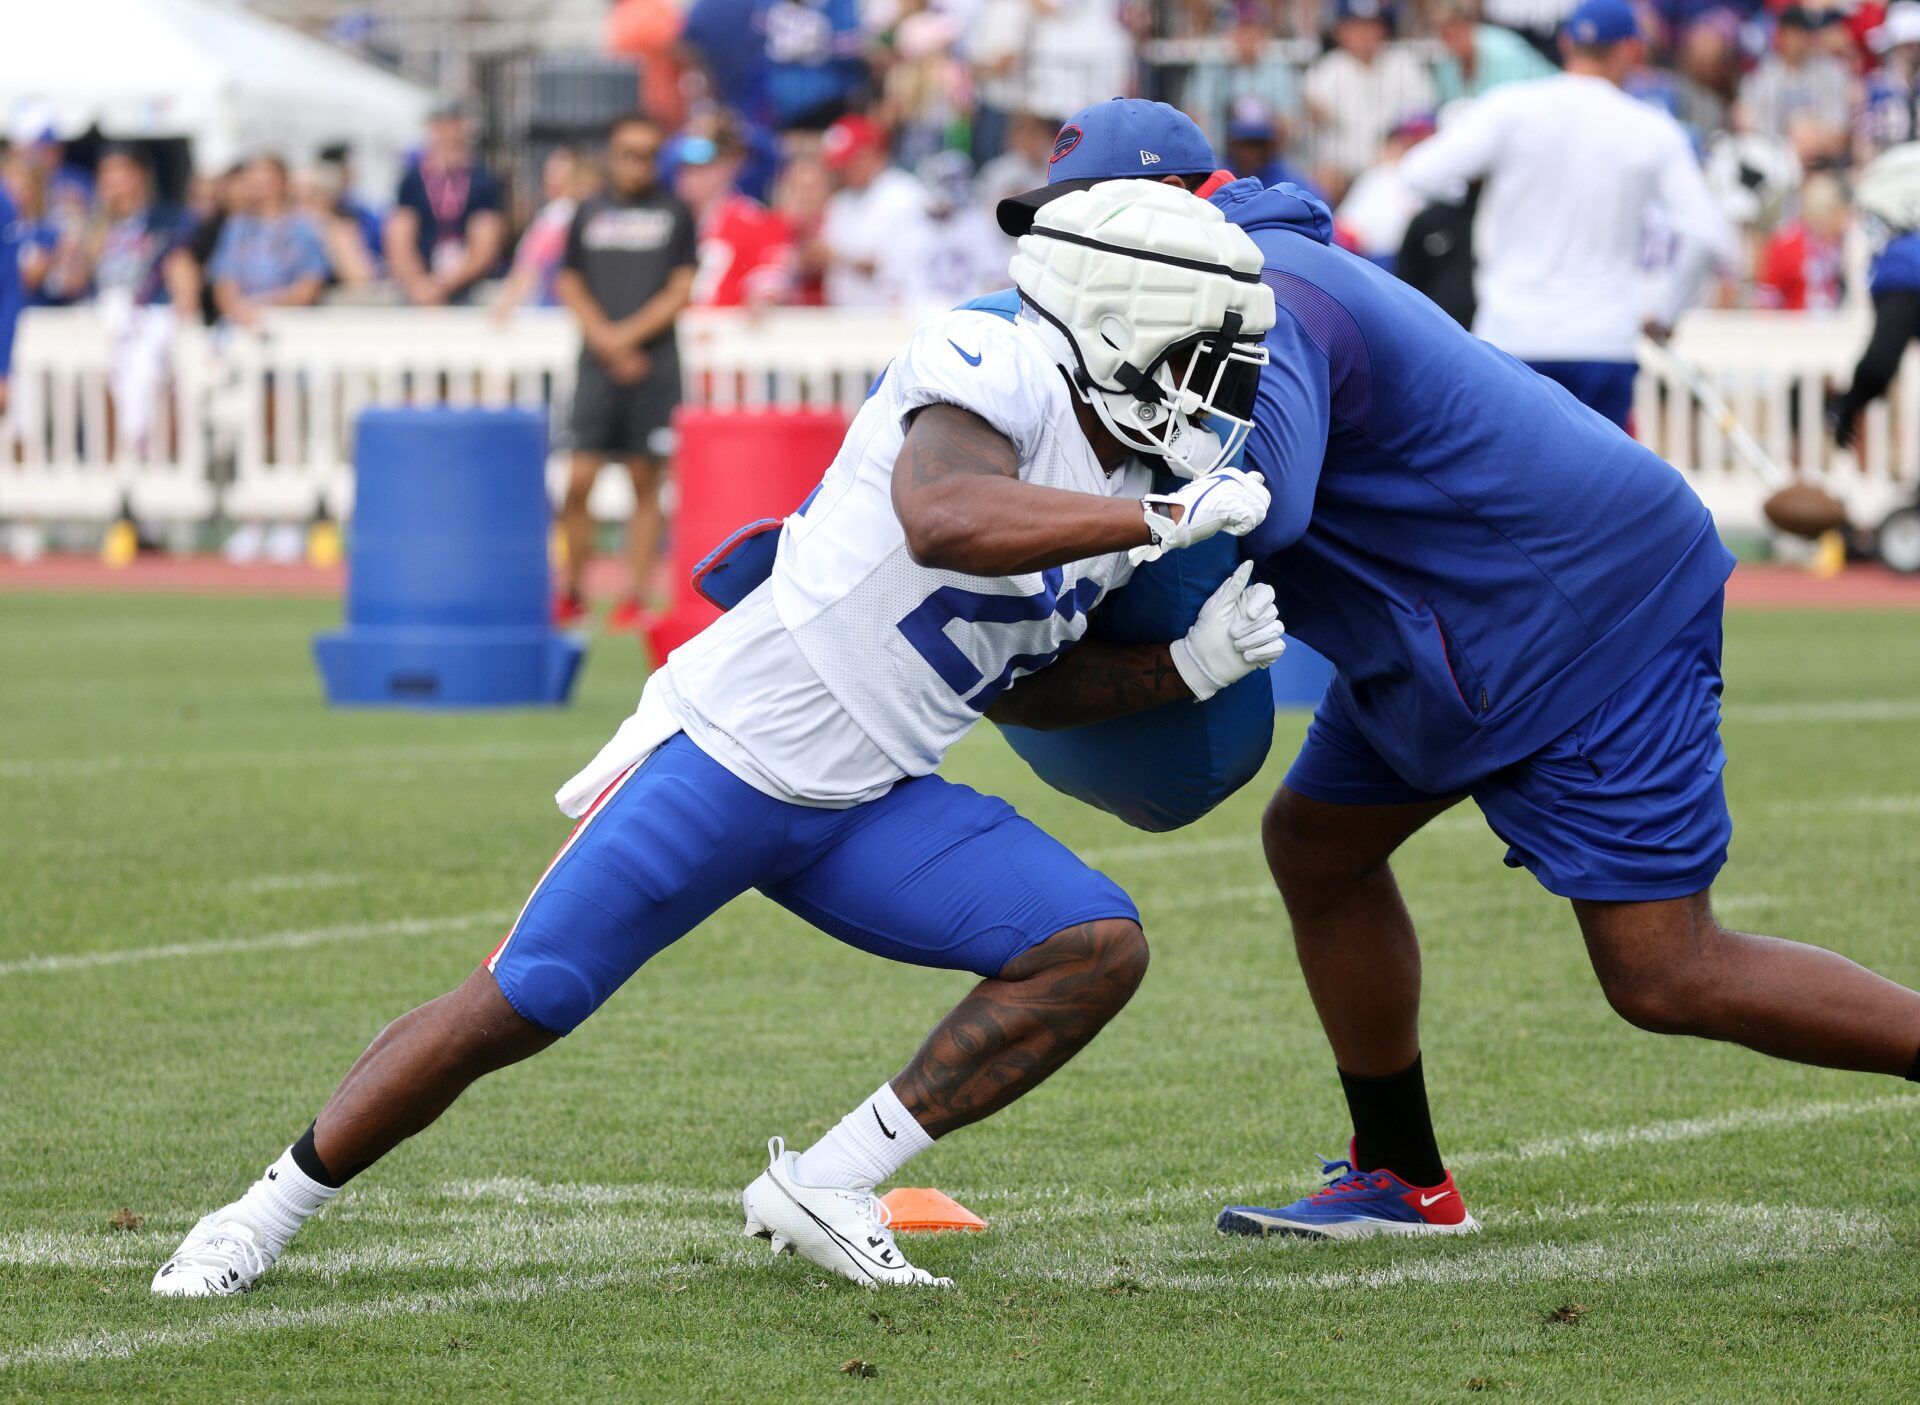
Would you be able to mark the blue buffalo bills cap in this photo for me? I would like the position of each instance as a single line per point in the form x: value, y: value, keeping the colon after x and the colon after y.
x: 1595, y: 22
x: 1119, y: 139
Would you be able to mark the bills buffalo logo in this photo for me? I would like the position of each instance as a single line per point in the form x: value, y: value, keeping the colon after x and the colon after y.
x: 1068, y: 139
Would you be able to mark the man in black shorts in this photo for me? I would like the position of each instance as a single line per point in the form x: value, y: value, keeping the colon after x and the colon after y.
x: 628, y: 272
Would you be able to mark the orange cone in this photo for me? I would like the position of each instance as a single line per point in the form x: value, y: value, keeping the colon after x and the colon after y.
x: 916, y: 1208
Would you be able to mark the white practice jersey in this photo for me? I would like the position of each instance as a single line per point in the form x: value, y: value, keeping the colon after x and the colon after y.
x: 1573, y: 168
x: 854, y: 666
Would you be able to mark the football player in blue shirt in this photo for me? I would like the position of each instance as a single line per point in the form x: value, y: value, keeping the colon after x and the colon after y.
x: 1524, y: 607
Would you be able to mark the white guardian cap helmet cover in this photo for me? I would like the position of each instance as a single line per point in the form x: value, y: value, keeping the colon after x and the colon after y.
x: 1152, y: 303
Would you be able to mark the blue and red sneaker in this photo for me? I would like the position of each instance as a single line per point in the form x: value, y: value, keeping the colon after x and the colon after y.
x: 1357, y: 1205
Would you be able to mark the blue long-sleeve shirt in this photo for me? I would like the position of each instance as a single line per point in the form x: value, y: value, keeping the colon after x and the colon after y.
x: 1896, y: 268
x: 12, y: 294
x: 1482, y: 557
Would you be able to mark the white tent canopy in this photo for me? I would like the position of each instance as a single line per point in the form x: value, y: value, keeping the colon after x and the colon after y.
x: 207, y: 70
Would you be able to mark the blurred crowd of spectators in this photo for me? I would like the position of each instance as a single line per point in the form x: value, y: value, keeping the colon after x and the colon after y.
x: 849, y: 152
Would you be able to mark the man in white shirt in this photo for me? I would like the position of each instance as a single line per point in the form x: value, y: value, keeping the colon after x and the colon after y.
x: 875, y: 221
x: 987, y: 496
x: 1573, y: 166
x: 1357, y: 92
x: 1798, y: 85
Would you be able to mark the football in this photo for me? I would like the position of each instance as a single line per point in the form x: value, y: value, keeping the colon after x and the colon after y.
x: 1803, y: 510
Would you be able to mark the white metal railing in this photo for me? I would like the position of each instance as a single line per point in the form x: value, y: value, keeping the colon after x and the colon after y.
x: 1774, y: 369
x: 260, y: 427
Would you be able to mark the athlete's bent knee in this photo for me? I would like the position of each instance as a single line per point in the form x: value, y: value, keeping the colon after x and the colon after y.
x: 1307, y: 872
x: 1665, y: 997
x: 1123, y: 953
x: 481, y: 1027
x: 1109, y: 955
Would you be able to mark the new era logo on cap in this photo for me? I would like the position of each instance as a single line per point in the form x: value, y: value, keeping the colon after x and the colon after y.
x: 1147, y: 158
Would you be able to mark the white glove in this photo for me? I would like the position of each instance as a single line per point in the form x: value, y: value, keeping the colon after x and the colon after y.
x: 1238, y: 631
x: 1226, y: 500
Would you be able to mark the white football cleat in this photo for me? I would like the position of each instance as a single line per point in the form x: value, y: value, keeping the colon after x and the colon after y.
x: 843, y: 1230
x: 221, y: 1256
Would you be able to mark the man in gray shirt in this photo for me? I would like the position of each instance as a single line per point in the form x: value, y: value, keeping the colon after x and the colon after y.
x: 1796, y: 84
x: 627, y: 275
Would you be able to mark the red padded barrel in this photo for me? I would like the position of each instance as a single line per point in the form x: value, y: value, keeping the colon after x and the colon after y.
x: 735, y: 465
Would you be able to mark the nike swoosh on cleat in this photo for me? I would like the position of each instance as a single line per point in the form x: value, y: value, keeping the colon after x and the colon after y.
x: 891, y: 1135
x: 1427, y: 1200
x: 971, y: 358
x: 840, y: 1241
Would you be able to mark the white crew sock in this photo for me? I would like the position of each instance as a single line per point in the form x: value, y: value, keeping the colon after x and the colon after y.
x: 871, y: 1143
x: 283, y: 1199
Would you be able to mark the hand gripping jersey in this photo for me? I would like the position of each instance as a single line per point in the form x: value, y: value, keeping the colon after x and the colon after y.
x: 854, y: 666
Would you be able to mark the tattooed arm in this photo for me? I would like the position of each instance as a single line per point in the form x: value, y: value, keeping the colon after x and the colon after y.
x: 1091, y: 682
x: 958, y: 493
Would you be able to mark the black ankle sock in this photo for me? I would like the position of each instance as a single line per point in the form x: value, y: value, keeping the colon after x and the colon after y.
x: 310, y: 1164
x: 1392, y: 1128
x: 1913, y: 1074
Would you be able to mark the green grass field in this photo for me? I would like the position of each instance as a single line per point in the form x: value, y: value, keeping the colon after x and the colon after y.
x: 216, y: 891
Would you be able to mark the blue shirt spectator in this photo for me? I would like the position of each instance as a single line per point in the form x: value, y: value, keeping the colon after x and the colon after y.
x: 336, y: 161
x: 734, y: 49
x: 268, y: 254
x: 446, y: 231
x: 10, y: 293
x: 131, y: 257
x: 814, y: 69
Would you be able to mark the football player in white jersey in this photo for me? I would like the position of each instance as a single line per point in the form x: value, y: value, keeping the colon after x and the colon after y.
x: 985, y: 499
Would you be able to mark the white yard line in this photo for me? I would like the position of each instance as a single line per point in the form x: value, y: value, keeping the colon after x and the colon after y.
x: 1746, y: 902
x: 1849, y: 805
x: 1243, y: 839
x: 110, y: 1346
x: 1266, y: 1185
x: 1829, y: 710
x: 1690, y: 1129
x: 84, y: 767
x: 1639, y: 1239
x: 1174, y: 845
x: 267, y: 941
x: 521, y: 1190
x: 1657, y: 1239
x: 294, y: 882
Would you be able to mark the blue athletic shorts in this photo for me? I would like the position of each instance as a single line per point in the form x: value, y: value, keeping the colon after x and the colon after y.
x: 931, y: 873
x: 1605, y: 386
x: 1627, y: 805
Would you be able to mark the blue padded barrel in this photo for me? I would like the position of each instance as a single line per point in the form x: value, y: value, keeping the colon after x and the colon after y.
x: 448, y: 591
x: 1300, y: 677
x: 1167, y: 767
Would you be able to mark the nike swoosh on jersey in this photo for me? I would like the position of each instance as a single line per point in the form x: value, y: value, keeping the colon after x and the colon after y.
x: 971, y: 358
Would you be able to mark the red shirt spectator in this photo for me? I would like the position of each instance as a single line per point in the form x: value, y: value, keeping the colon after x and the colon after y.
x: 745, y: 248
x: 1802, y: 264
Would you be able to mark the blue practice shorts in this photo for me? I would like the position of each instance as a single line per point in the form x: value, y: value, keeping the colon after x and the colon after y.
x: 931, y: 873
x: 1605, y: 386
x: 1627, y: 805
